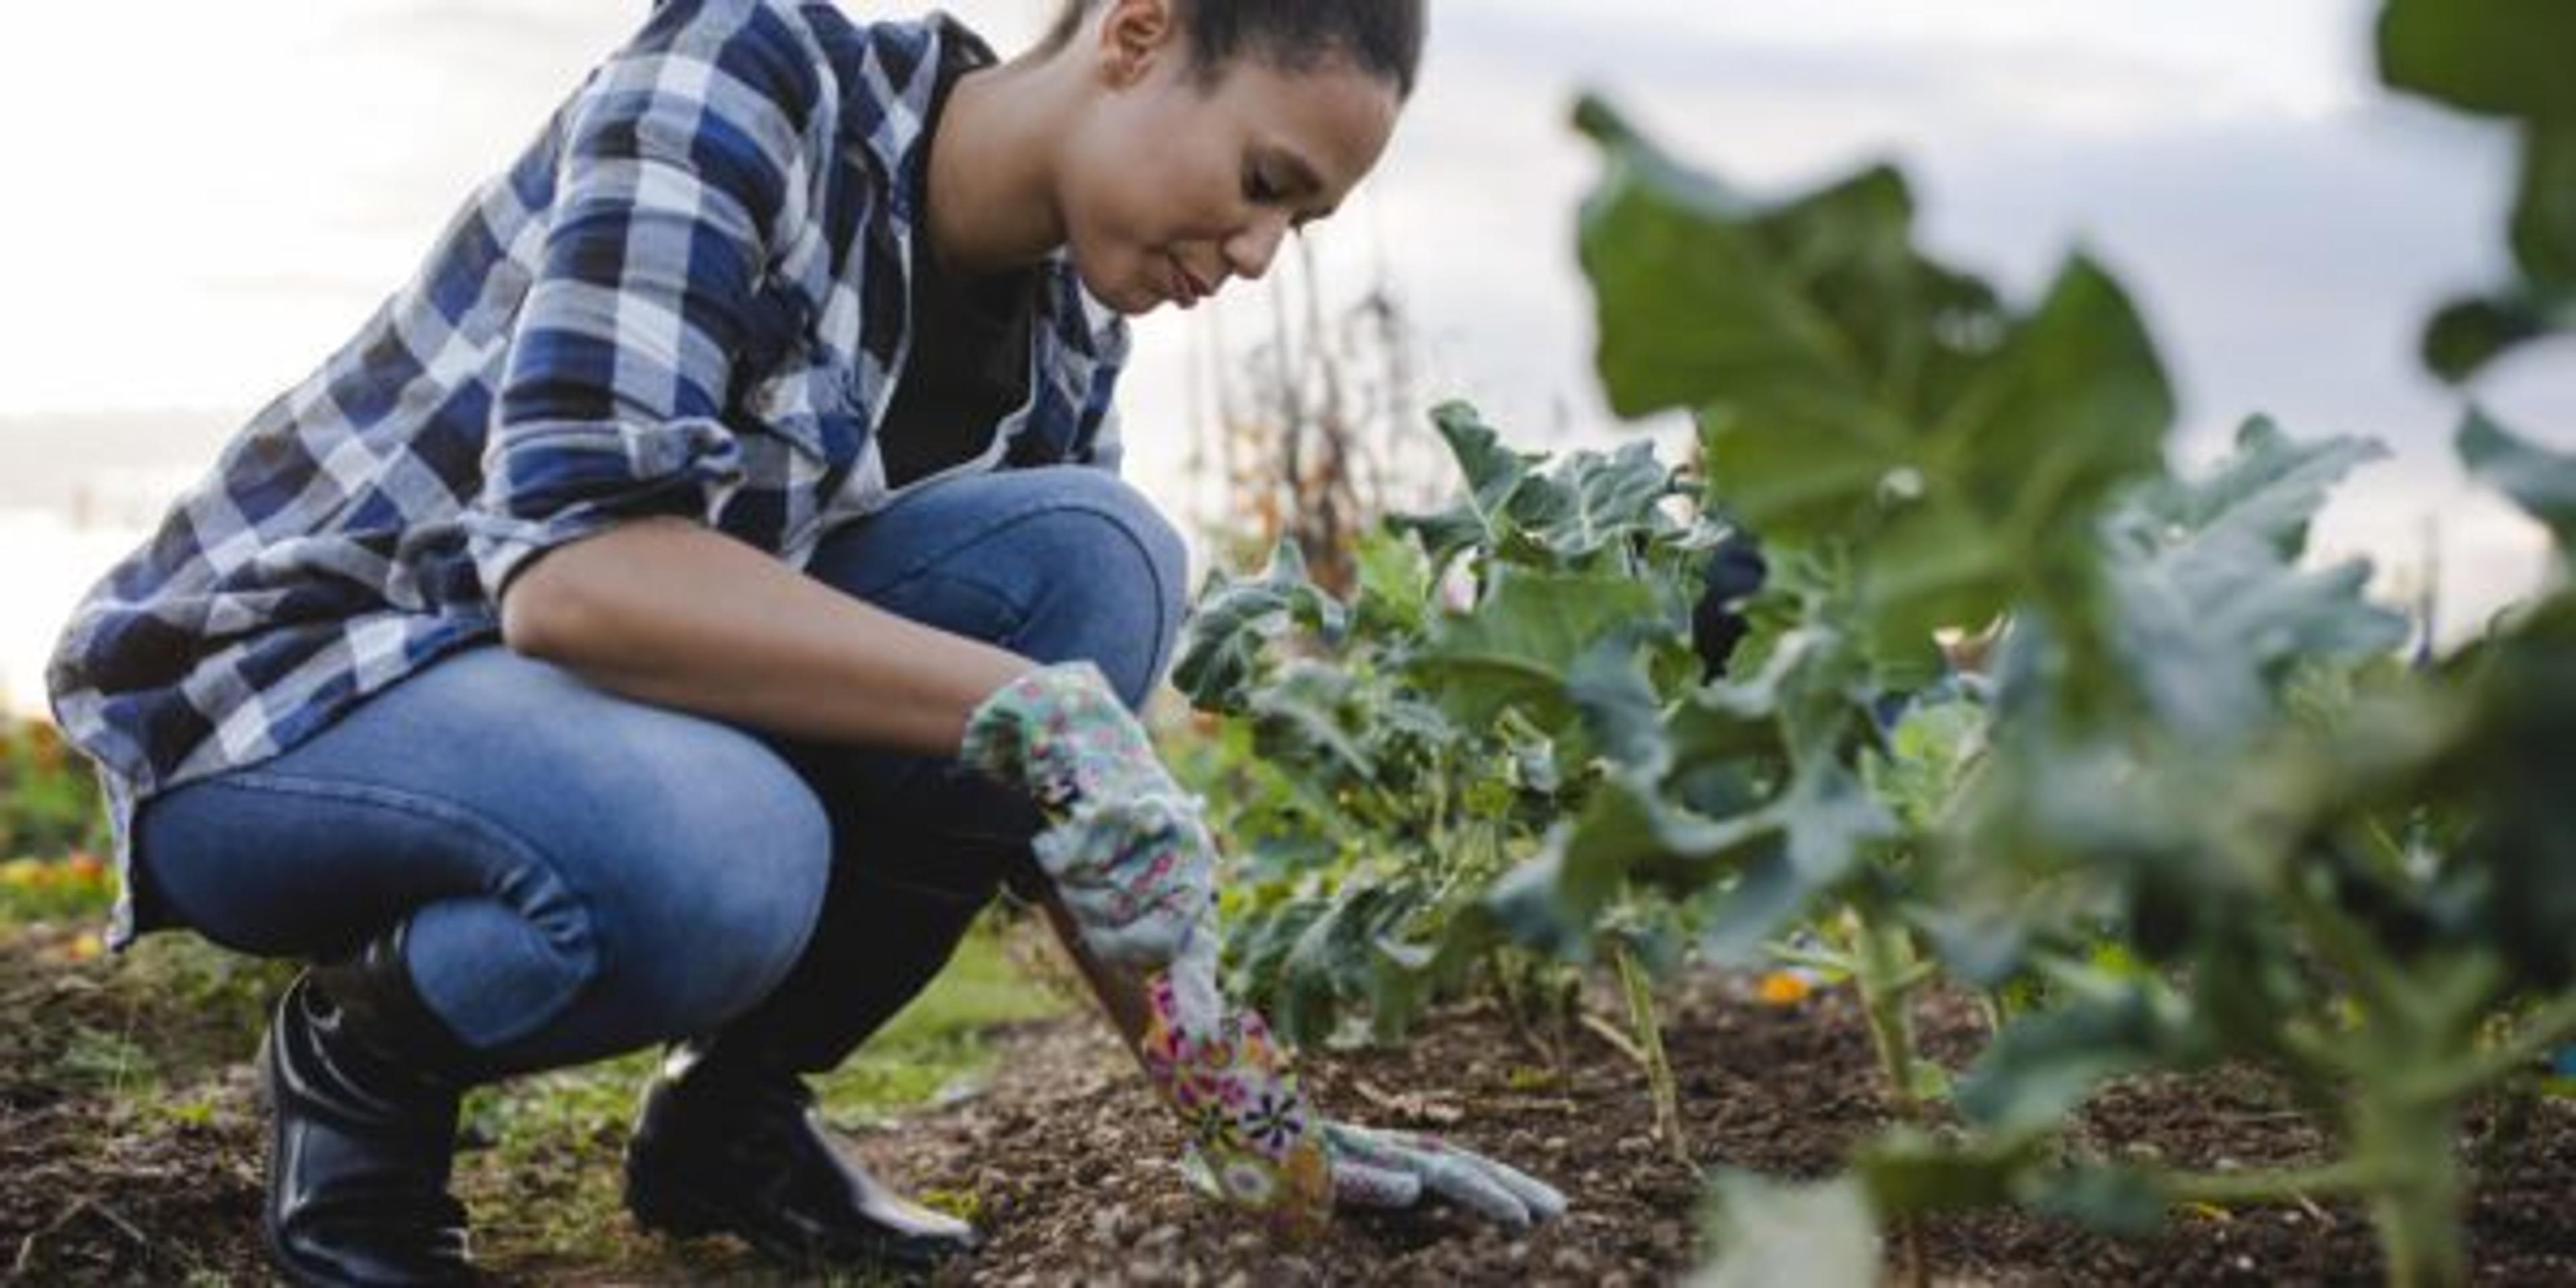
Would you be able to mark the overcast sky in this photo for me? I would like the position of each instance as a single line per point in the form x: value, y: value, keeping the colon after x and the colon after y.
x: 209, y: 197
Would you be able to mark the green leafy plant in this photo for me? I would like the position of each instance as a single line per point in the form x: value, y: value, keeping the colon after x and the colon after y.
x: 2198, y: 813
x: 2197, y: 750
x: 49, y: 802
x: 1390, y: 757
x: 2504, y: 59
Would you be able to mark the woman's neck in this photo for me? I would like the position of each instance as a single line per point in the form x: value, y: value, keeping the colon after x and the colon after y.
x: 991, y: 195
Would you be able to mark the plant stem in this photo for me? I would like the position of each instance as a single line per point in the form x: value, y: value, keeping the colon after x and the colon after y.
x: 2416, y: 1205
x: 1884, y: 968
x: 1650, y: 1037
x: 1567, y: 998
x: 1827, y: 963
x: 1618, y: 1039
x: 1882, y: 960
x: 2402, y: 1109
x: 2267, y: 1187
x: 1515, y: 1008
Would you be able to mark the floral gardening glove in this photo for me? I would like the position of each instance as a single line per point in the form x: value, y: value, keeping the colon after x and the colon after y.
x: 1378, y: 1167
x: 1253, y: 1142
x: 1133, y: 861
x: 1125, y: 845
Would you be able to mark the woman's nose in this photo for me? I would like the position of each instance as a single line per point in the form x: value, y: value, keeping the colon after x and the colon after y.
x: 1250, y: 251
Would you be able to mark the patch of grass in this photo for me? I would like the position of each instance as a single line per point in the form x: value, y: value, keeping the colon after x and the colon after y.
x: 204, y: 1006
x: 938, y: 1043
x: 102, y: 1060
x: 545, y: 1185
x: 146, y: 1033
x: 49, y: 796
x: 155, y: 1030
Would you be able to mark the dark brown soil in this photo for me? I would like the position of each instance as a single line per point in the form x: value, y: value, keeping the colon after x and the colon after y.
x: 1067, y: 1155
x: 96, y: 1187
x: 1065, y: 1159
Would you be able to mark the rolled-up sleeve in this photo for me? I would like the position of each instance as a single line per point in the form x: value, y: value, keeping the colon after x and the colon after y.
x: 683, y: 160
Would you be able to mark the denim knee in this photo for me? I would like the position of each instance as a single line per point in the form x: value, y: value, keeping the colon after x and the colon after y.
x: 718, y: 891
x: 746, y: 924
x: 1114, y: 580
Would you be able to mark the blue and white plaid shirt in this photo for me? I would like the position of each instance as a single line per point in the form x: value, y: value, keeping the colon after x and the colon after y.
x: 690, y: 295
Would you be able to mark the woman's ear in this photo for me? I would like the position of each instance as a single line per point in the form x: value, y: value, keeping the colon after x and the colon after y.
x: 1134, y: 33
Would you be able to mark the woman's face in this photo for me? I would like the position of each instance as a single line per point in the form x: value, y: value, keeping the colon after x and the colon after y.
x: 1169, y: 191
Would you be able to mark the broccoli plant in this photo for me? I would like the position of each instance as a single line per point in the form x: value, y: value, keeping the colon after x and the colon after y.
x: 1399, y: 752
x: 2197, y: 751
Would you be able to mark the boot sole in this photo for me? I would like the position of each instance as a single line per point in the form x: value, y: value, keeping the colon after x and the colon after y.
x: 682, y: 1217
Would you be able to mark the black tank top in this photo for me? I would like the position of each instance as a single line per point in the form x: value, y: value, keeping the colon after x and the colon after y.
x: 969, y: 365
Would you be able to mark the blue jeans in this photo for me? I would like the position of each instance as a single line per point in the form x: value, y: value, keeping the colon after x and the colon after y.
x: 586, y: 874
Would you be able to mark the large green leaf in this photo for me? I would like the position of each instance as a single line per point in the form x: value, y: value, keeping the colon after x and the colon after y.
x: 1307, y: 960
x: 1622, y: 713
x: 2505, y: 58
x: 2543, y: 231
x: 1592, y: 502
x: 1308, y: 712
x: 2270, y: 488
x: 1395, y: 585
x: 2211, y: 607
x: 2042, y: 1067
x: 2540, y: 481
x: 1624, y: 832
x: 1736, y: 718
x: 1763, y: 1233
x: 1803, y: 841
x: 1228, y: 633
x: 1591, y: 511
x: 1906, y: 1172
x: 1494, y: 474
x: 2500, y: 57
x: 2011, y: 472
x: 1852, y: 391
x: 2520, y: 783
x: 1519, y: 647
x: 2467, y: 334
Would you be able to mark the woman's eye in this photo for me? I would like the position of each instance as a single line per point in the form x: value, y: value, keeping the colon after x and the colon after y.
x: 1257, y: 188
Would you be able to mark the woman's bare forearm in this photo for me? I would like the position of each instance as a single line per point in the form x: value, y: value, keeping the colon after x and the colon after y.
x: 669, y: 611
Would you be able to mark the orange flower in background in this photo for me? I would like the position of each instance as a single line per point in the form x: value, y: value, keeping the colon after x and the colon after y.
x: 84, y: 870
x: 1783, y: 988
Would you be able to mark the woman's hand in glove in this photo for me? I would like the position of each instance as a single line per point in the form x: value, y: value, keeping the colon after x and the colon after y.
x: 1254, y: 1143
x: 1393, y: 1169
x: 1134, y: 868
x: 1383, y: 1168
x: 1125, y: 845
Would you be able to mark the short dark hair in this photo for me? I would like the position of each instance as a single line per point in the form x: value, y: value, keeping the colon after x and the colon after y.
x: 1382, y: 38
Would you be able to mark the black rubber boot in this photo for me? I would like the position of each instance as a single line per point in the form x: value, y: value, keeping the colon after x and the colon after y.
x: 744, y: 1152
x: 362, y: 1082
x: 728, y: 1139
